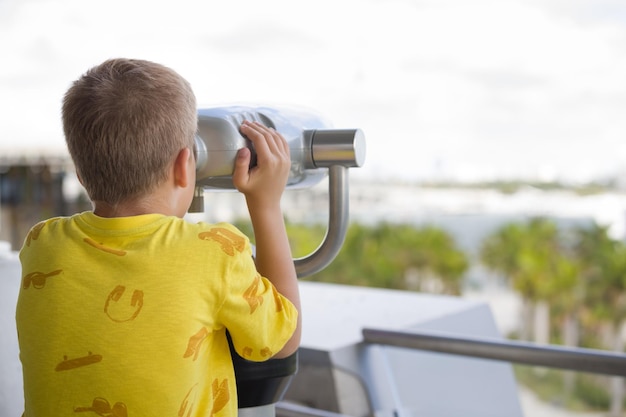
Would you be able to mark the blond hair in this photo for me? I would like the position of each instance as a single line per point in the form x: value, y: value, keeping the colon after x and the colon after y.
x: 125, y: 121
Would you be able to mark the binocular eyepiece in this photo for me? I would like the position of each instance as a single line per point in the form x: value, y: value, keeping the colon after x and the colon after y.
x: 313, y: 144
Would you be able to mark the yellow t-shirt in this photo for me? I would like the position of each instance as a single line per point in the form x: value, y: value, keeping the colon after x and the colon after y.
x: 127, y: 316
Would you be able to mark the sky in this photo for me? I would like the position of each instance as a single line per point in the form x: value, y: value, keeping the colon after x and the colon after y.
x: 443, y: 89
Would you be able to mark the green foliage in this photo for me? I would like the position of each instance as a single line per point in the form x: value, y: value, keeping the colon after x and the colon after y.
x: 583, y: 272
x: 603, y: 268
x: 385, y: 255
x: 589, y: 394
x: 533, y: 257
x: 303, y: 239
x: 390, y: 255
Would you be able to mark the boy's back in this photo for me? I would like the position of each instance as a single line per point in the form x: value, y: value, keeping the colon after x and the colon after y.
x: 127, y: 315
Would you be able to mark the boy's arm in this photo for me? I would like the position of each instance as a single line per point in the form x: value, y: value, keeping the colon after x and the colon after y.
x: 263, y: 186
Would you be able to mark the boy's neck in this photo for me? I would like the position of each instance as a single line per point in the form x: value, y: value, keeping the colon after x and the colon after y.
x: 131, y: 208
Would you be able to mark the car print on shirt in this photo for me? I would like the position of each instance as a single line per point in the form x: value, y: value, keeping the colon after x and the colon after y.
x: 189, y: 402
x: 193, y: 346
x: 103, y: 408
x: 34, y: 233
x: 68, y: 364
x: 38, y: 279
x: 228, y: 240
x: 250, y: 295
x: 104, y: 248
x: 221, y: 395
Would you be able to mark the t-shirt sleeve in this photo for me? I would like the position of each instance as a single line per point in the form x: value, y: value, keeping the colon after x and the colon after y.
x: 259, y: 319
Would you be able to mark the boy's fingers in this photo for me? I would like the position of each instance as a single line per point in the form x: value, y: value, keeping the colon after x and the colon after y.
x: 273, y: 141
x: 242, y: 162
x: 279, y: 141
x: 254, y: 132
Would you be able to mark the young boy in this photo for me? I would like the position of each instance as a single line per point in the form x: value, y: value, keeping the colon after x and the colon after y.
x: 123, y: 311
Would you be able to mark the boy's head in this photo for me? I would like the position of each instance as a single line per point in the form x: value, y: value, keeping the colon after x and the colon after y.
x: 125, y: 121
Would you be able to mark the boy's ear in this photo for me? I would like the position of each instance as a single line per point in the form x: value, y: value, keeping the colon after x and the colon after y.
x: 182, y: 168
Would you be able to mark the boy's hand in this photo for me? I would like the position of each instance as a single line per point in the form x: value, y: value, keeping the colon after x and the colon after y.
x: 264, y: 183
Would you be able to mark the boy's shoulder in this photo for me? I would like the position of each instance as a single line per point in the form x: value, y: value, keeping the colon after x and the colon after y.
x: 205, y: 227
x: 35, y: 231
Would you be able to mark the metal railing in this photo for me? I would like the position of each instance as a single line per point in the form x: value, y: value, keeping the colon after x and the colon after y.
x: 576, y: 359
x: 526, y: 353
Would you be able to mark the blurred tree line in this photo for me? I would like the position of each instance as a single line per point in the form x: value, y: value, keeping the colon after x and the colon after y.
x: 386, y: 256
x: 572, y: 281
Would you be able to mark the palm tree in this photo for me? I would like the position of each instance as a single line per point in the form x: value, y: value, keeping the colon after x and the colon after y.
x: 531, y: 256
x: 433, y: 254
x: 500, y: 252
x: 603, y: 265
